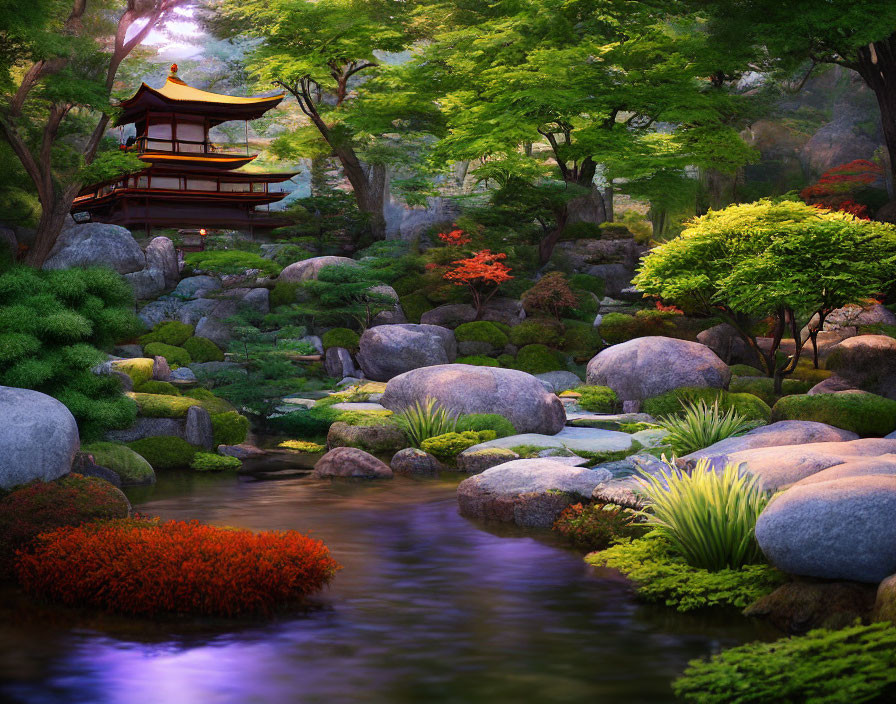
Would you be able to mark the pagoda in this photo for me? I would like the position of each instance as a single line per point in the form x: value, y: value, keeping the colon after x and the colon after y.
x: 189, y: 181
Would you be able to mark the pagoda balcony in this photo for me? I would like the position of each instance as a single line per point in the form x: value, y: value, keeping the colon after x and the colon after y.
x: 205, y: 148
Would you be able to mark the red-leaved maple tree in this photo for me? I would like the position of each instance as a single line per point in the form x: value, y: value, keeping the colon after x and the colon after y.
x: 839, y: 187
x: 455, y: 238
x: 483, y: 273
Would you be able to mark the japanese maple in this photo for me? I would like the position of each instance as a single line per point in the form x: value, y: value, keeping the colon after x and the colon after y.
x: 483, y: 273
x: 455, y: 238
x: 840, y: 187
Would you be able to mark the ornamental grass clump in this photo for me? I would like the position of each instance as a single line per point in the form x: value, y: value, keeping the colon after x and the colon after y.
x: 708, y: 517
x: 701, y: 425
x: 146, y: 568
x: 425, y: 420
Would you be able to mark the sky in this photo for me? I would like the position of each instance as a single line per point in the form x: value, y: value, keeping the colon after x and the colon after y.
x: 179, y: 39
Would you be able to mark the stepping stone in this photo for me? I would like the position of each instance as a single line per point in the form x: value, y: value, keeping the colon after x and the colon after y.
x: 357, y: 407
x: 574, y: 439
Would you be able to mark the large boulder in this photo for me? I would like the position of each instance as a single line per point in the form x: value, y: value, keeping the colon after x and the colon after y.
x: 728, y: 345
x: 350, y: 462
x: 856, y: 316
x: 464, y: 388
x: 375, y: 439
x: 161, y: 256
x: 412, y: 462
x: 215, y: 330
x: 196, y: 286
x: 868, y: 361
x: 882, y: 464
x: 650, y: 366
x: 530, y: 493
x: 96, y: 244
x: 309, y: 268
x: 841, y: 529
x: 147, y: 283
x: 38, y: 437
x: 499, y: 310
x: 389, y: 350
x: 198, y: 429
x: 559, y: 381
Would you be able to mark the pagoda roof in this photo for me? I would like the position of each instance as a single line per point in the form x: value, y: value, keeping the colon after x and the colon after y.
x: 177, y: 96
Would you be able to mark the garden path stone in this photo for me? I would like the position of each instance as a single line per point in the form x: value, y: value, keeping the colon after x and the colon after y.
x: 573, y: 439
x: 607, y: 421
x: 358, y: 406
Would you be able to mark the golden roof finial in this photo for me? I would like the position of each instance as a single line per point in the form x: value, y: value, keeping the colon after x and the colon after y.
x: 173, y: 71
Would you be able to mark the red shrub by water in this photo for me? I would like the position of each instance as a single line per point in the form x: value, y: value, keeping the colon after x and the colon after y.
x: 147, y: 567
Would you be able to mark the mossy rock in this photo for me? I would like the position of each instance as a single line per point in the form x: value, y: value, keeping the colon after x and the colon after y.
x: 139, y: 369
x: 764, y: 387
x: 538, y: 359
x: 213, y: 404
x: 306, y: 446
x: 535, y: 331
x: 175, y: 356
x: 157, y: 387
x: 486, y: 421
x: 867, y: 414
x: 163, y: 406
x: 170, y: 332
x: 201, y: 349
x: 375, y: 439
x: 341, y: 337
x: 481, y: 331
x: 414, y: 306
x: 210, y: 462
x: 597, y: 399
x: 448, y: 446
x: 479, y: 360
x: 670, y: 403
x: 166, y: 452
x: 130, y: 467
x: 806, y: 371
x: 229, y: 428
x: 744, y: 370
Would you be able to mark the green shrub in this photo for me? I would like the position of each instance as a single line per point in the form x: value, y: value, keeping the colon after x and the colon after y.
x: 341, y: 337
x: 619, y: 327
x: 581, y: 338
x: 127, y: 464
x: 596, y: 526
x: 537, y: 331
x: 486, y: 421
x: 230, y: 261
x: 210, y: 462
x: 305, y: 423
x: 867, y: 414
x: 744, y: 370
x: 164, y: 452
x: 806, y: 371
x: 159, y: 406
x: 157, y: 387
x: 414, y: 306
x: 229, y: 428
x: 702, y: 424
x: 481, y: 331
x: 175, y: 356
x: 597, y: 399
x: 764, y: 387
x: 139, y: 369
x: 664, y: 577
x: 425, y: 420
x: 478, y: 360
x: 856, y: 664
x: 284, y: 293
x: 670, y: 403
x: 170, y: 332
x: 201, y: 349
x: 707, y: 517
x: 586, y: 282
x: 448, y: 446
x: 537, y: 359
x: 213, y: 404
x: 303, y: 446
x: 504, y: 360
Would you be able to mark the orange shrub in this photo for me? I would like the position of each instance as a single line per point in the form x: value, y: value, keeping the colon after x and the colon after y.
x: 147, y: 567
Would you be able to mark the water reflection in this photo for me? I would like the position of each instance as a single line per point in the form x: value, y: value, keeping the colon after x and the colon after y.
x: 429, y: 608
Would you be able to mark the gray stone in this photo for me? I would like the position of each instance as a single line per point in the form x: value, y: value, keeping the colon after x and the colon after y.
x: 127, y: 351
x: 574, y: 439
x: 200, y: 368
x: 148, y: 428
x: 161, y: 371
x: 258, y: 299
x: 866, y: 361
x: 191, y: 286
x: 96, y: 244
x: 649, y: 366
x: 394, y: 316
x: 308, y: 269
x: 412, y: 462
x: 183, y: 375
x: 198, y: 427
x: 831, y: 385
x: 477, y: 461
x: 314, y: 341
x: 85, y: 465
x: 161, y: 255
x: 191, y: 312
x: 856, y: 316
x: 127, y: 384
x: 529, y: 493
x: 38, y: 437
x: 883, y: 464
x: 351, y: 462
x: 841, y: 529
x: 375, y: 439
x: 499, y: 310
x: 214, y: 330
x: 728, y: 345
x: 159, y: 311
x: 559, y: 381
x: 338, y: 363
x: 147, y: 283
x: 463, y: 388
x: 631, y: 407
x: 243, y: 451
x: 389, y: 350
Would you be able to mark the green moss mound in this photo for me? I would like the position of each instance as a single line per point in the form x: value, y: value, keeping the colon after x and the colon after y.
x: 670, y: 403
x: 160, y: 406
x: 157, y: 387
x: 586, y: 282
x: 581, y: 338
x: 537, y: 359
x: 171, y: 332
x: 209, y: 462
x: 486, y: 421
x: 341, y: 337
x: 478, y: 360
x: 505, y: 360
x: 130, y: 467
x: 213, y: 404
x: 481, y: 331
x: 856, y: 664
x: 867, y: 414
x: 229, y: 428
x: 308, y: 424
x: 201, y: 349
x: 597, y: 399
x: 139, y: 369
x: 414, y: 306
x: 448, y: 446
x: 230, y: 261
x: 764, y: 387
x: 284, y: 293
x: 538, y: 331
x: 744, y: 370
x: 175, y: 356
x: 164, y: 452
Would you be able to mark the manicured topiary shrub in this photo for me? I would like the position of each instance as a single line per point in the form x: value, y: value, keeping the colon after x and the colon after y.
x: 229, y: 428
x: 867, y: 414
x: 537, y: 359
x: 581, y: 338
x: 210, y: 462
x: 505, y: 360
x: 160, y: 406
x: 596, y: 526
x: 341, y: 337
x: 230, y: 261
x: 175, y: 356
x: 139, y: 369
x: 597, y: 399
x: 764, y: 387
x: 170, y: 332
x: 213, y: 404
x: 478, y: 360
x: 139, y: 567
x: 201, y: 349
x: 414, y: 305
x: 42, y: 506
x: 127, y: 464
x: 537, y: 331
x: 670, y: 403
x: 619, y: 327
x: 448, y: 446
x: 855, y: 664
x: 486, y: 421
x: 586, y: 282
x: 481, y: 331
x: 157, y: 387
x: 164, y: 452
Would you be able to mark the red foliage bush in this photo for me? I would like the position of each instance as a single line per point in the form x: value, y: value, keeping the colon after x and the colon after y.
x: 596, y: 526
x: 483, y: 273
x: 43, y: 506
x: 839, y: 187
x: 455, y: 238
x: 551, y: 294
x: 146, y: 567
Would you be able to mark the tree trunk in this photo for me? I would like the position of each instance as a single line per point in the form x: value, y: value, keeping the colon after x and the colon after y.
x: 877, y: 66
x: 52, y: 218
x: 589, y: 207
x: 369, y: 186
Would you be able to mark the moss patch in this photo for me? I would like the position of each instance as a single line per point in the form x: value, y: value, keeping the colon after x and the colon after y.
x: 171, y: 332
x: 867, y: 414
x: 164, y: 452
x: 201, y: 349
x: 229, y: 428
x: 160, y: 406
x: 670, y: 403
x: 127, y: 464
x: 139, y: 369
x: 175, y: 356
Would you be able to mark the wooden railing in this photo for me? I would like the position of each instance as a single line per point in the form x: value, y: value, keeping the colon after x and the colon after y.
x: 179, y: 146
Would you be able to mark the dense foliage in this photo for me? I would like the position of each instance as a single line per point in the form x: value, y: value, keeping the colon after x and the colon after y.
x: 702, y: 424
x: 595, y: 526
